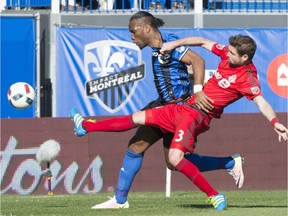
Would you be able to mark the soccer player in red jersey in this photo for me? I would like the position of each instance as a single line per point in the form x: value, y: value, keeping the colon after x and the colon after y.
x: 235, y: 77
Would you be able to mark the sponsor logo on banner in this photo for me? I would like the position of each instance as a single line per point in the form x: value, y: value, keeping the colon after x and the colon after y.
x: 277, y: 75
x: 29, y: 170
x: 282, y: 75
x: 208, y: 74
x: 113, y: 69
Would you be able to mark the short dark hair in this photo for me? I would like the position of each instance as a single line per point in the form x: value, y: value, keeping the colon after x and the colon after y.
x: 148, y: 19
x: 244, y: 45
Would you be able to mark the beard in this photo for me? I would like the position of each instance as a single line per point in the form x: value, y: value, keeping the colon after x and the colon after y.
x: 233, y: 65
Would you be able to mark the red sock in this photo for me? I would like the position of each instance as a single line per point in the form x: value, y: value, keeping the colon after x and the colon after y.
x: 192, y: 172
x: 112, y: 124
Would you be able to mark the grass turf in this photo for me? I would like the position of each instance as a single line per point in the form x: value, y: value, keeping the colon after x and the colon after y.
x: 244, y: 203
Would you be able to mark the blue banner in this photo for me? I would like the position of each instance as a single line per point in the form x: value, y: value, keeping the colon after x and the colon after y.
x: 101, y: 72
x: 18, y: 60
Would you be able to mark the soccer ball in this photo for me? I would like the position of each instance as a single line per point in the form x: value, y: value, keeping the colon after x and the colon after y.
x: 21, y: 95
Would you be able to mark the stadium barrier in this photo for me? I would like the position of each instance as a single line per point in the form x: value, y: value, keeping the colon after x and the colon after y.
x: 91, y: 164
x: 169, y: 6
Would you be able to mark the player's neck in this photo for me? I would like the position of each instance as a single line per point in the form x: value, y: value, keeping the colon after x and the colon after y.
x: 155, y: 40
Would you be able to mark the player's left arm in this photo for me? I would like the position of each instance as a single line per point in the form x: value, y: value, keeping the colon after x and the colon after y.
x: 188, y: 41
x: 267, y: 110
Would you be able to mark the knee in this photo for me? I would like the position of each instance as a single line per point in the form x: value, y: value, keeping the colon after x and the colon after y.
x: 139, y: 147
x: 168, y: 164
x: 174, y: 157
x: 173, y: 162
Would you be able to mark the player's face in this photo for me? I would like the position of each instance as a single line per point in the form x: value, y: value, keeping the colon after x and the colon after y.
x: 137, y: 29
x: 235, y: 60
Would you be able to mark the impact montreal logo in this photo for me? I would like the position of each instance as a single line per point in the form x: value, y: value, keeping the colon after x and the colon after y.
x: 113, y: 69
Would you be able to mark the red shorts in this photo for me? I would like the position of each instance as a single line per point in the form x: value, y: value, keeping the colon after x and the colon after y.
x: 185, y: 122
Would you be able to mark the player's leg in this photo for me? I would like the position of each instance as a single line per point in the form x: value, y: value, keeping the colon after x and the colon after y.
x: 203, y: 163
x: 145, y: 137
x: 177, y: 159
x: 142, y: 140
x: 233, y: 165
x: 130, y: 166
x: 183, y: 141
x: 167, y: 140
x: 116, y: 124
x: 123, y: 123
x: 210, y: 163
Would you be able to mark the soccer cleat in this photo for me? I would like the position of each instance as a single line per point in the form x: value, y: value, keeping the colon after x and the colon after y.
x: 77, y: 119
x: 237, y: 171
x: 111, y: 204
x: 218, y: 201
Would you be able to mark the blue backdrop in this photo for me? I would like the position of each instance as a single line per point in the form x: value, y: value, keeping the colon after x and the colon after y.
x: 18, y: 60
x: 101, y: 72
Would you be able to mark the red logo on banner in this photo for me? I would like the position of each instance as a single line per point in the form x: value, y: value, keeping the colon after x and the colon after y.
x: 277, y: 75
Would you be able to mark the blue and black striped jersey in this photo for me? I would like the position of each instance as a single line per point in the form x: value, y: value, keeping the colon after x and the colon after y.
x: 170, y: 74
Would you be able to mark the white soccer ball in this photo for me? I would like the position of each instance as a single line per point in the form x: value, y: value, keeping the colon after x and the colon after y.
x: 21, y: 95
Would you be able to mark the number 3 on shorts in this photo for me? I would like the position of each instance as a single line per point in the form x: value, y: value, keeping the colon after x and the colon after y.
x: 180, y: 136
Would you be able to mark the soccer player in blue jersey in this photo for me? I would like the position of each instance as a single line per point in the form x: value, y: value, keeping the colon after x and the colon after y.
x: 173, y: 84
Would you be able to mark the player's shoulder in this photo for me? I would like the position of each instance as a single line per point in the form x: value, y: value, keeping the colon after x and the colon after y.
x: 219, y: 47
x: 248, y: 74
x: 169, y: 37
x: 251, y: 69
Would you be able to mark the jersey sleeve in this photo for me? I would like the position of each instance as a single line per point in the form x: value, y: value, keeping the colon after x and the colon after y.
x: 179, y: 52
x: 252, y: 92
x: 251, y: 87
x: 220, y: 50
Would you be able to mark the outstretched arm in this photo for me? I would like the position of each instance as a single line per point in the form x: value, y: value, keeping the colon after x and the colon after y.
x: 188, y: 41
x: 267, y: 110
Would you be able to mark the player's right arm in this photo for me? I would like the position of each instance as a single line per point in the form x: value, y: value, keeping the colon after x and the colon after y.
x: 267, y: 110
x: 188, y: 41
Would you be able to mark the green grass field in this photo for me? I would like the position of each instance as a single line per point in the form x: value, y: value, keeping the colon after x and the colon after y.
x: 244, y: 203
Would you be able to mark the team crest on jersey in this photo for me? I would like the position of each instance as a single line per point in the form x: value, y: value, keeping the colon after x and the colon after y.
x: 162, y: 58
x: 255, y: 90
x: 232, y: 79
x: 113, y: 69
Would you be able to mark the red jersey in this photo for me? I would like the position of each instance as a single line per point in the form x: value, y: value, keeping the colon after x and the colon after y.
x: 229, y: 84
